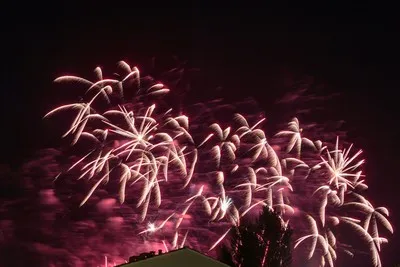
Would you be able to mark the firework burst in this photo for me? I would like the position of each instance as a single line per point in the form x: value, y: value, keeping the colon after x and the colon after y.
x: 185, y: 179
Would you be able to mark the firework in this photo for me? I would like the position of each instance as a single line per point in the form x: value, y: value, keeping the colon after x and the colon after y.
x: 186, y: 179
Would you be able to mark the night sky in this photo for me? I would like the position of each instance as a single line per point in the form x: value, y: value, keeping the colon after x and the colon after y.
x: 246, y: 50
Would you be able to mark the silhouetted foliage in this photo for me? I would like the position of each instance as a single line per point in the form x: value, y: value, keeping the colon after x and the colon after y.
x: 264, y: 243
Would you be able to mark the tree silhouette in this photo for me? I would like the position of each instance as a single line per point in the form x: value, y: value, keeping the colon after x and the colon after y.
x: 264, y: 243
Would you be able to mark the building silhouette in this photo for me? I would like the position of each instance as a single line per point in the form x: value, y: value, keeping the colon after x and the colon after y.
x: 184, y: 257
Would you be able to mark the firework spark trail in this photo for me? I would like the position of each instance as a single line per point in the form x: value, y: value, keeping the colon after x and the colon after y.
x: 185, y: 180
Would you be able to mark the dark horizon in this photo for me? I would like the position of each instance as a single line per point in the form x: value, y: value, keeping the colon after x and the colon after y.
x: 259, y: 52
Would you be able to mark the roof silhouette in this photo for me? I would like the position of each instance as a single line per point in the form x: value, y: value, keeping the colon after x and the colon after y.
x: 176, y: 258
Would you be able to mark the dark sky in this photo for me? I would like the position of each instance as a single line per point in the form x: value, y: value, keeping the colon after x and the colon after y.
x: 250, y: 49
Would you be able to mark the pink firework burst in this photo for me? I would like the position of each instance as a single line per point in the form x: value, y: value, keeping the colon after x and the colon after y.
x: 186, y: 179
